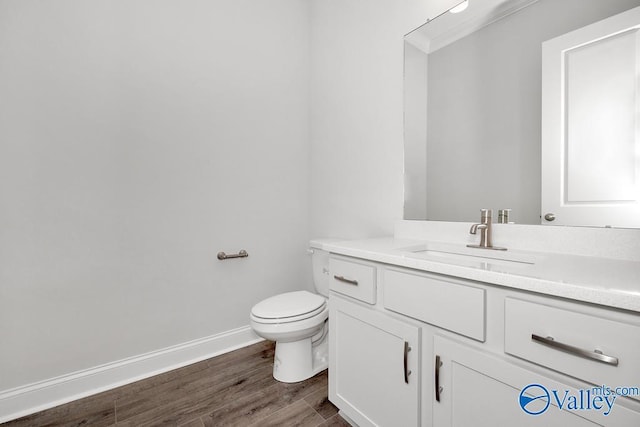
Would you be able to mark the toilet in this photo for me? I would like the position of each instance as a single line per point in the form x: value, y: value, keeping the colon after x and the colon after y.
x: 298, y: 323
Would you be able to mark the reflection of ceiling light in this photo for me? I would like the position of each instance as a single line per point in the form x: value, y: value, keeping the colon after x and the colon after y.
x: 459, y: 8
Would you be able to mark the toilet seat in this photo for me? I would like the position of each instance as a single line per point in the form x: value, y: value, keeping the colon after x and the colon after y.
x: 288, y: 307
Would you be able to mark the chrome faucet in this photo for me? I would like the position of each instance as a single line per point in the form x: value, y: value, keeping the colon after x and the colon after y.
x: 485, y: 231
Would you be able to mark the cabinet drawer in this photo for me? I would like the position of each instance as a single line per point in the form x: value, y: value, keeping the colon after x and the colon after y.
x: 353, y: 278
x: 578, y: 341
x: 447, y: 303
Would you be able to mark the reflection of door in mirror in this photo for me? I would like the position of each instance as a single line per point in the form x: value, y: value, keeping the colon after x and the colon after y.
x: 591, y: 124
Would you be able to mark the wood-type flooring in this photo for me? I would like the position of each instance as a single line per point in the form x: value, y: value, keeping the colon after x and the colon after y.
x: 233, y: 389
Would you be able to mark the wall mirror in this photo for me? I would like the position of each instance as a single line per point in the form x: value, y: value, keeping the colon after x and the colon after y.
x: 481, y: 117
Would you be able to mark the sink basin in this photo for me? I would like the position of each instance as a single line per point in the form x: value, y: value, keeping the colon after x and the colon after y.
x: 470, y: 257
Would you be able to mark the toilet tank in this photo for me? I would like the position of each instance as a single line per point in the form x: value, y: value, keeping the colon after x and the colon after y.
x: 320, y: 267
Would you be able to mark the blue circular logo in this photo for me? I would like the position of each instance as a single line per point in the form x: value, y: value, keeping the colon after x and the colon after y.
x: 532, y: 396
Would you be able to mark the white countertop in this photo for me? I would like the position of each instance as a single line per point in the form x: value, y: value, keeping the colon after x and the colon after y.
x: 608, y: 282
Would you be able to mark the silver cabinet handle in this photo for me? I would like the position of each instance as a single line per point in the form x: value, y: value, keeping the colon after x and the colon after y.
x: 592, y: 355
x: 550, y: 217
x: 349, y: 281
x: 407, y: 372
x: 437, y: 379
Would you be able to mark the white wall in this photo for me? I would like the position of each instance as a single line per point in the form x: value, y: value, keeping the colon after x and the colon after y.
x: 356, y: 112
x: 138, y: 139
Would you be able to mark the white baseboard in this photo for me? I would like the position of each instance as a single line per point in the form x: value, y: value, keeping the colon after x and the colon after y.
x: 31, y: 398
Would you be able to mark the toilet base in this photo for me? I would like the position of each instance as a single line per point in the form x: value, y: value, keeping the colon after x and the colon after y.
x: 300, y: 360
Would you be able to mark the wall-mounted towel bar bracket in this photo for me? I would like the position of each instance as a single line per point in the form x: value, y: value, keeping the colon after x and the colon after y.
x: 241, y: 254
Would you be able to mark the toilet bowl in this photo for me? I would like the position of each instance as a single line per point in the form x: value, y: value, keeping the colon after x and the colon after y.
x: 298, y: 323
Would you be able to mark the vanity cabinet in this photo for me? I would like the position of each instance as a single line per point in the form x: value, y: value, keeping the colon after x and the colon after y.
x: 480, y: 389
x: 354, y: 278
x: 444, y: 302
x: 374, y: 365
x: 594, y: 348
x: 432, y: 350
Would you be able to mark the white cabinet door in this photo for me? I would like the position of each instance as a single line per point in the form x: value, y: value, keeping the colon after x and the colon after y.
x: 590, y: 125
x: 374, y: 366
x: 483, y: 390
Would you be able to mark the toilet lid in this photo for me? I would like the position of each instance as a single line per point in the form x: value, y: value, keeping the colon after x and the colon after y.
x: 290, y: 304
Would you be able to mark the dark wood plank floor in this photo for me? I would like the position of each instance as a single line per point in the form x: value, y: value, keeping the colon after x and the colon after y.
x: 234, y: 389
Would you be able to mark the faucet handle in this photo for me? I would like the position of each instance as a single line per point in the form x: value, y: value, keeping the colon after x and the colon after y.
x: 475, y: 227
x: 503, y: 216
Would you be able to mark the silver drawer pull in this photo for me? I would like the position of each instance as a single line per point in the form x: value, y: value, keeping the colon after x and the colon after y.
x: 349, y: 281
x: 593, y: 355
